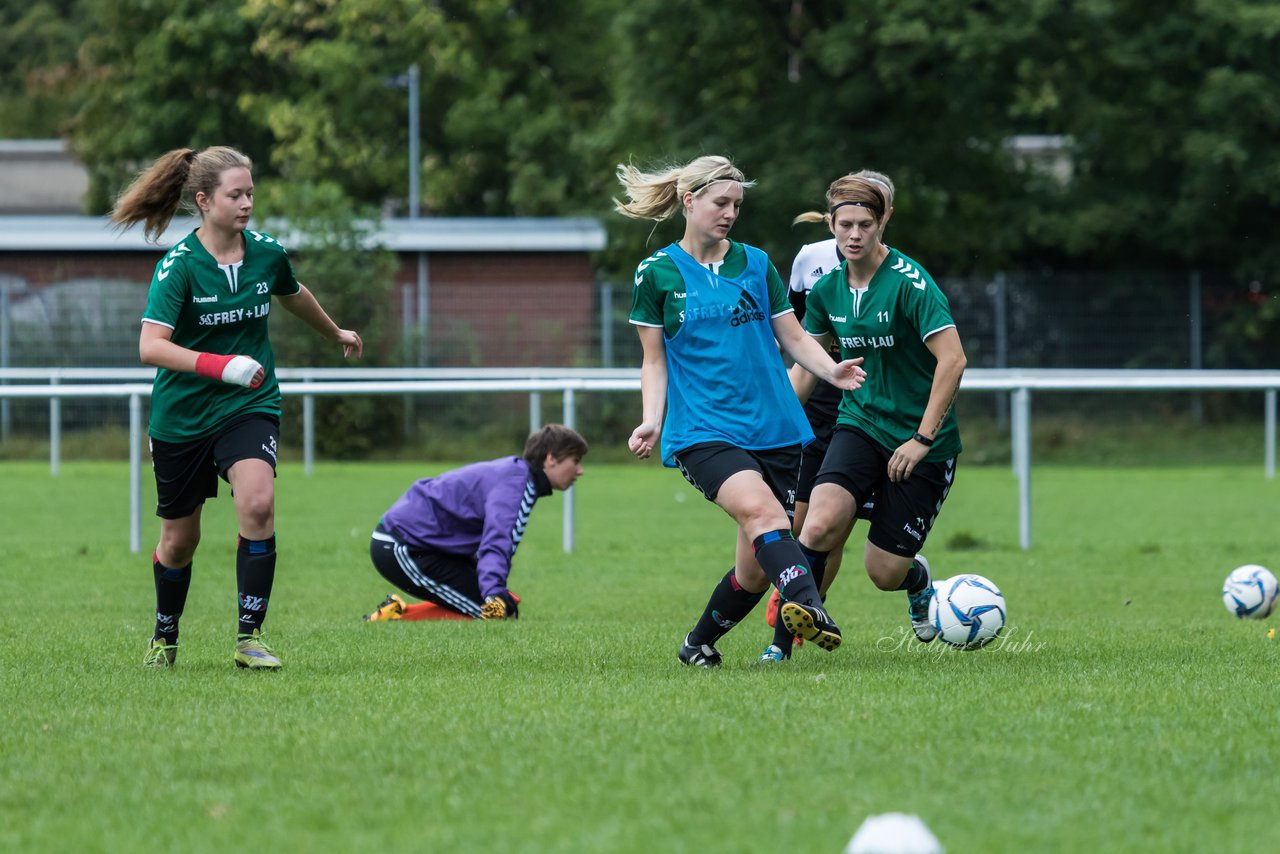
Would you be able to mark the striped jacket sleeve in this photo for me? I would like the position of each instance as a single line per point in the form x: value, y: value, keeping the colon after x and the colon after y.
x: 507, y: 508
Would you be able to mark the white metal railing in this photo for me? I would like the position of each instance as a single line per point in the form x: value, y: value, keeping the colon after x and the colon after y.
x: 311, y: 382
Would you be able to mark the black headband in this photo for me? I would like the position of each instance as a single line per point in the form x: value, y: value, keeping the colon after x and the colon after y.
x: 705, y: 184
x: 876, y: 209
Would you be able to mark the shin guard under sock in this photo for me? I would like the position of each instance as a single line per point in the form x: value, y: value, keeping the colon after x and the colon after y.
x: 255, y: 573
x: 817, y: 563
x: 784, y: 563
x: 728, y: 605
x: 171, y: 597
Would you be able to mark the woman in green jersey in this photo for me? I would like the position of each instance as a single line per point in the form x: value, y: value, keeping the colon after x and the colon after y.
x: 215, y: 405
x: 812, y: 262
x: 714, y: 390
x: 896, y: 438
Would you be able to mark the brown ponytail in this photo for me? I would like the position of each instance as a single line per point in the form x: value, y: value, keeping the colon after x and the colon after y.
x: 173, y: 179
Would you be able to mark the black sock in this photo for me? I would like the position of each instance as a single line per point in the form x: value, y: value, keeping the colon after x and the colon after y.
x: 817, y: 563
x: 171, y: 597
x: 785, y: 565
x: 782, y: 638
x: 728, y: 605
x: 255, y: 573
x: 916, y: 579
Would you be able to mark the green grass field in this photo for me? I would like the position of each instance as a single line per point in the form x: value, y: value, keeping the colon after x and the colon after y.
x: 1125, y: 711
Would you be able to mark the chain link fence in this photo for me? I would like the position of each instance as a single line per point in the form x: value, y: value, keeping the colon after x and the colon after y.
x: 1049, y: 319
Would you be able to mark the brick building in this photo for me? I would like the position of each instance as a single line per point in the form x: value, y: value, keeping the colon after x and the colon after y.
x: 486, y: 292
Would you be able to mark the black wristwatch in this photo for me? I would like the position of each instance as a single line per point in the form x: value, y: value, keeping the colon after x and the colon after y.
x: 922, y: 439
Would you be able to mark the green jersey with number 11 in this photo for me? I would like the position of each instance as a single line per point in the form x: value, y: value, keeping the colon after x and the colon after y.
x: 222, y: 309
x: 886, y: 323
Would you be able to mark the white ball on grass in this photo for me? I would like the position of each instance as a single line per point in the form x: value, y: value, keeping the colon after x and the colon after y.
x: 968, y: 611
x: 1250, y: 592
x: 893, y: 833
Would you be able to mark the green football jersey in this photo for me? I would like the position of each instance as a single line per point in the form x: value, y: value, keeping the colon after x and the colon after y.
x: 220, y: 309
x: 886, y: 324
x: 658, y: 296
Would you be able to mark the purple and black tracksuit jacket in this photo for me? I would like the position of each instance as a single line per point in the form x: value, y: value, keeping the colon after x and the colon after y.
x: 478, y: 511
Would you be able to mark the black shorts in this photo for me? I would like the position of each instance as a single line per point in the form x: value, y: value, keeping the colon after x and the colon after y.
x: 709, y: 464
x: 903, y: 512
x: 433, y: 576
x: 811, y: 462
x: 187, y: 472
x: 814, y: 453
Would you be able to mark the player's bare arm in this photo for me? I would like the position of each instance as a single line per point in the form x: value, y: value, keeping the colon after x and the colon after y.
x: 306, y: 308
x: 653, y: 392
x: 156, y: 348
x: 810, y: 354
x: 946, y: 348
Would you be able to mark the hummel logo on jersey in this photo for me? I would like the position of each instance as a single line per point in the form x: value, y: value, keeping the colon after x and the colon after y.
x: 789, y: 575
x: 213, y: 298
x: 644, y: 265
x: 910, y: 272
x: 835, y: 319
x: 163, y: 273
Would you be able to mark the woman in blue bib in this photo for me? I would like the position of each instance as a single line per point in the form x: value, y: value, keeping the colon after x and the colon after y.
x: 710, y: 313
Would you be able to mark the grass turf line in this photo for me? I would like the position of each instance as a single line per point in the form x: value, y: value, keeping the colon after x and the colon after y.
x: 1126, y: 710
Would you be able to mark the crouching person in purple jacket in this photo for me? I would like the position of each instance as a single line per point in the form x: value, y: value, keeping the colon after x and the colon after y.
x: 449, y: 539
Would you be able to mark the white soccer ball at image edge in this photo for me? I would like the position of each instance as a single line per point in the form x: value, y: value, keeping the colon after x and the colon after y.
x: 1250, y: 592
x: 968, y: 611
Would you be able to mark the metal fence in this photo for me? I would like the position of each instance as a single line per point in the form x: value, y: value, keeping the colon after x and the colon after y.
x: 1018, y: 383
x: 1043, y: 320
x: 1050, y: 319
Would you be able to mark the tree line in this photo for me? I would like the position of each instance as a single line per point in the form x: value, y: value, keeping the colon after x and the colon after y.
x: 1161, y: 118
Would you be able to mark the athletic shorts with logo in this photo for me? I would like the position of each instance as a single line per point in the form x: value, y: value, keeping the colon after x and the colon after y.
x: 187, y: 472
x: 903, y: 512
x: 708, y: 465
x: 446, y: 579
x: 814, y: 453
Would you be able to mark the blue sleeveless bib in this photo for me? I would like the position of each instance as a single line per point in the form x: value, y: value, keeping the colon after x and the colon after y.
x: 726, y: 381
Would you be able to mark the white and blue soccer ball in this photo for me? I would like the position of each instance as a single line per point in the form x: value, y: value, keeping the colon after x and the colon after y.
x: 1250, y: 592
x: 968, y: 611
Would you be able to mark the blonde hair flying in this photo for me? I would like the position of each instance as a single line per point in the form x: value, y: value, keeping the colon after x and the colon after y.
x: 658, y: 195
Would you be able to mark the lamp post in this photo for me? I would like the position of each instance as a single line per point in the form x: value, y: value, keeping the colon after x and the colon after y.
x: 411, y: 80
x: 6, y: 418
x: 415, y: 180
x: 415, y: 156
